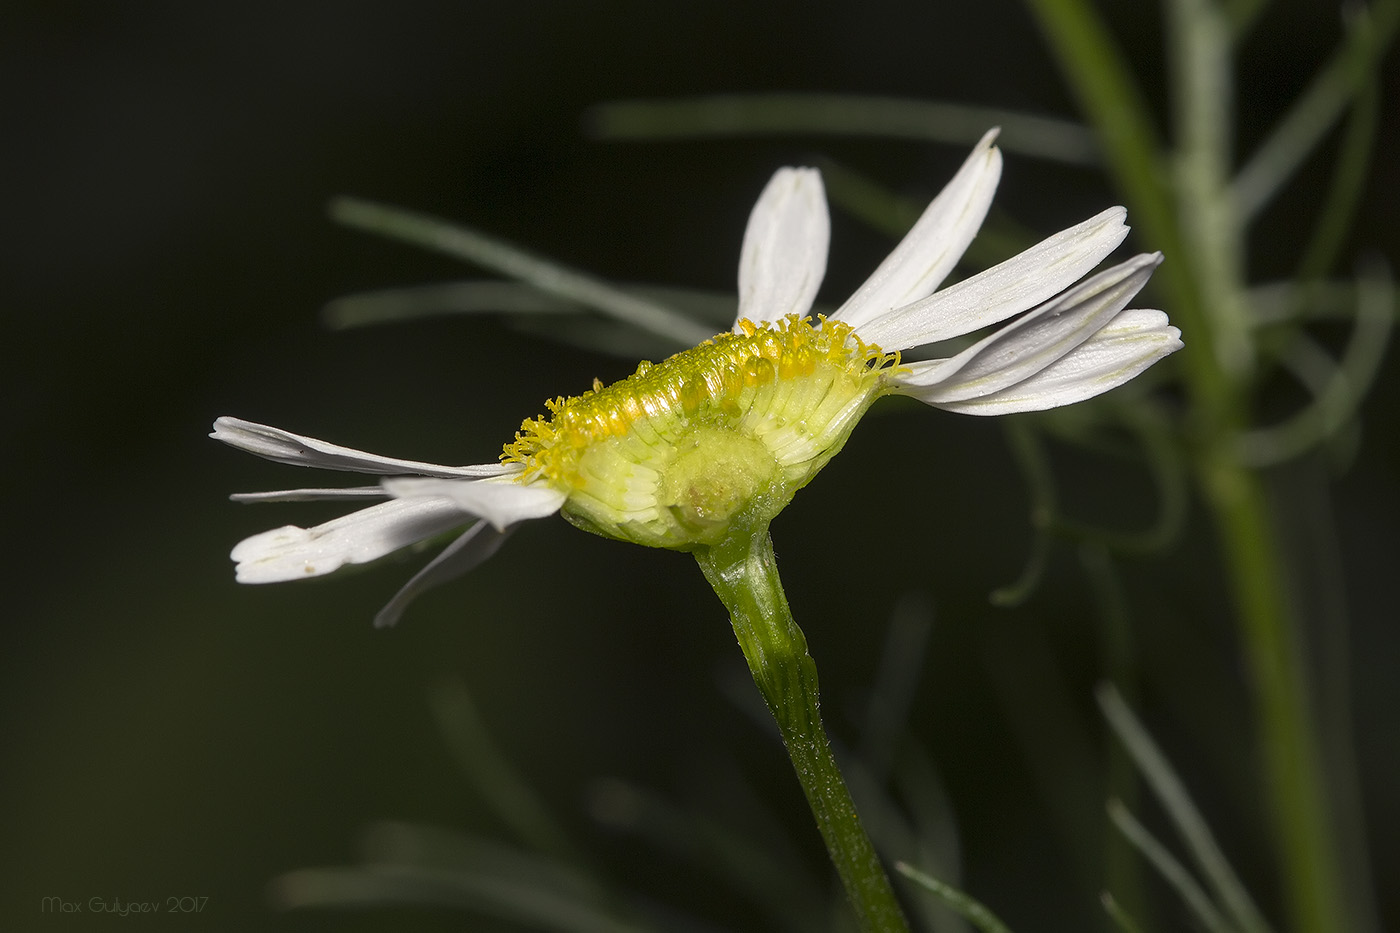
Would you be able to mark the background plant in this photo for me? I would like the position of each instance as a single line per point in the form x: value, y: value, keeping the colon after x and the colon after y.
x: 140, y: 688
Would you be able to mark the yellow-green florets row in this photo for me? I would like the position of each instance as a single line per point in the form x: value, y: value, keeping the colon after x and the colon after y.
x: 705, y: 380
x: 668, y: 455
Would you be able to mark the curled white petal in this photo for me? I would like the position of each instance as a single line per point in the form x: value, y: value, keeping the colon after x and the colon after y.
x: 1033, y: 342
x: 1019, y: 283
x: 783, y: 259
x: 1133, y: 341
x: 285, y: 447
x: 473, y: 547
x: 933, y: 246
x: 501, y: 501
x: 293, y: 553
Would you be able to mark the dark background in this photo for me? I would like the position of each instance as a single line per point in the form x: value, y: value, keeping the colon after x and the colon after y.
x: 166, y: 251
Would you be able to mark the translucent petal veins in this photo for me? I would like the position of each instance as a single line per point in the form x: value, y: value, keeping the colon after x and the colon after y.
x: 670, y: 455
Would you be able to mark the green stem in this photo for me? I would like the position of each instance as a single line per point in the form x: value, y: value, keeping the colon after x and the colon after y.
x: 1292, y: 758
x: 744, y: 574
x: 1199, y: 49
x: 1217, y: 378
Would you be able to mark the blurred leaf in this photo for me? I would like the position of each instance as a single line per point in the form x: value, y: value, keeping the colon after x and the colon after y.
x: 1185, y: 816
x: 490, y: 252
x: 844, y: 115
x: 492, y: 774
x: 1171, y: 871
x: 779, y: 887
x: 976, y: 914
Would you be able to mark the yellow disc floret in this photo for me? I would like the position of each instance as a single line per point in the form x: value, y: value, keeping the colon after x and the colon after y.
x: 727, y: 430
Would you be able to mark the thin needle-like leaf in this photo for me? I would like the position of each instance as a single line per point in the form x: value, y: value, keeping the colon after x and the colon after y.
x: 1317, y: 109
x: 844, y: 115
x: 1117, y: 914
x: 1340, y: 395
x: 536, y: 906
x: 1185, y: 816
x: 493, y: 775
x: 491, y: 253
x: 1242, y: 14
x: 777, y: 886
x: 1040, y: 483
x: 1349, y: 177
x: 397, y: 305
x: 1169, y: 868
x: 714, y: 310
x: 902, y: 663
x: 934, y: 826
x: 976, y: 913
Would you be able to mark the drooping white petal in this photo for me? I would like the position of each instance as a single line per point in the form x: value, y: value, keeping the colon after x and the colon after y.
x: 783, y: 259
x: 1133, y: 341
x: 933, y: 246
x: 1019, y: 283
x: 500, y: 501
x: 285, y: 447
x: 293, y: 553
x: 311, y: 495
x: 472, y: 548
x: 1033, y: 342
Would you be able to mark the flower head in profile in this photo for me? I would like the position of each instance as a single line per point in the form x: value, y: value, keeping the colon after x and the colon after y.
x: 721, y: 436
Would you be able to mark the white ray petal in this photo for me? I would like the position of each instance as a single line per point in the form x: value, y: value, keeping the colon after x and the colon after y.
x: 473, y: 547
x: 933, y: 246
x: 311, y: 495
x: 1033, y: 342
x: 293, y: 553
x: 783, y: 259
x: 1135, y: 340
x: 500, y: 501
x: 285, y: 447
x: 1019, y: 283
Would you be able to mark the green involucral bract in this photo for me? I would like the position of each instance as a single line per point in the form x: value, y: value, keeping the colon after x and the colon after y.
x: 725, y: 432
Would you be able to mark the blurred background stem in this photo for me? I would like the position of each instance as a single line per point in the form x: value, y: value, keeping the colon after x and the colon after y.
x: 1202, y: 233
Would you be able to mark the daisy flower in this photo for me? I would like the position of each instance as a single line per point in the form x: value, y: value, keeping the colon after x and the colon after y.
x: 724, y: 434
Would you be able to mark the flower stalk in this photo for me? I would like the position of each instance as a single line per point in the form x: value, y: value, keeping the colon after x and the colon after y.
x: 701, y: 451
x: 744, y: 574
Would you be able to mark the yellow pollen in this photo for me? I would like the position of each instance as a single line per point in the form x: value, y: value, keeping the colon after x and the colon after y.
x: 710, y: 384
x: 677, y: 453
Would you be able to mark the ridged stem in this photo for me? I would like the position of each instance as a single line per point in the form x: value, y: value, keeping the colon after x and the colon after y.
x: 744, y: 574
